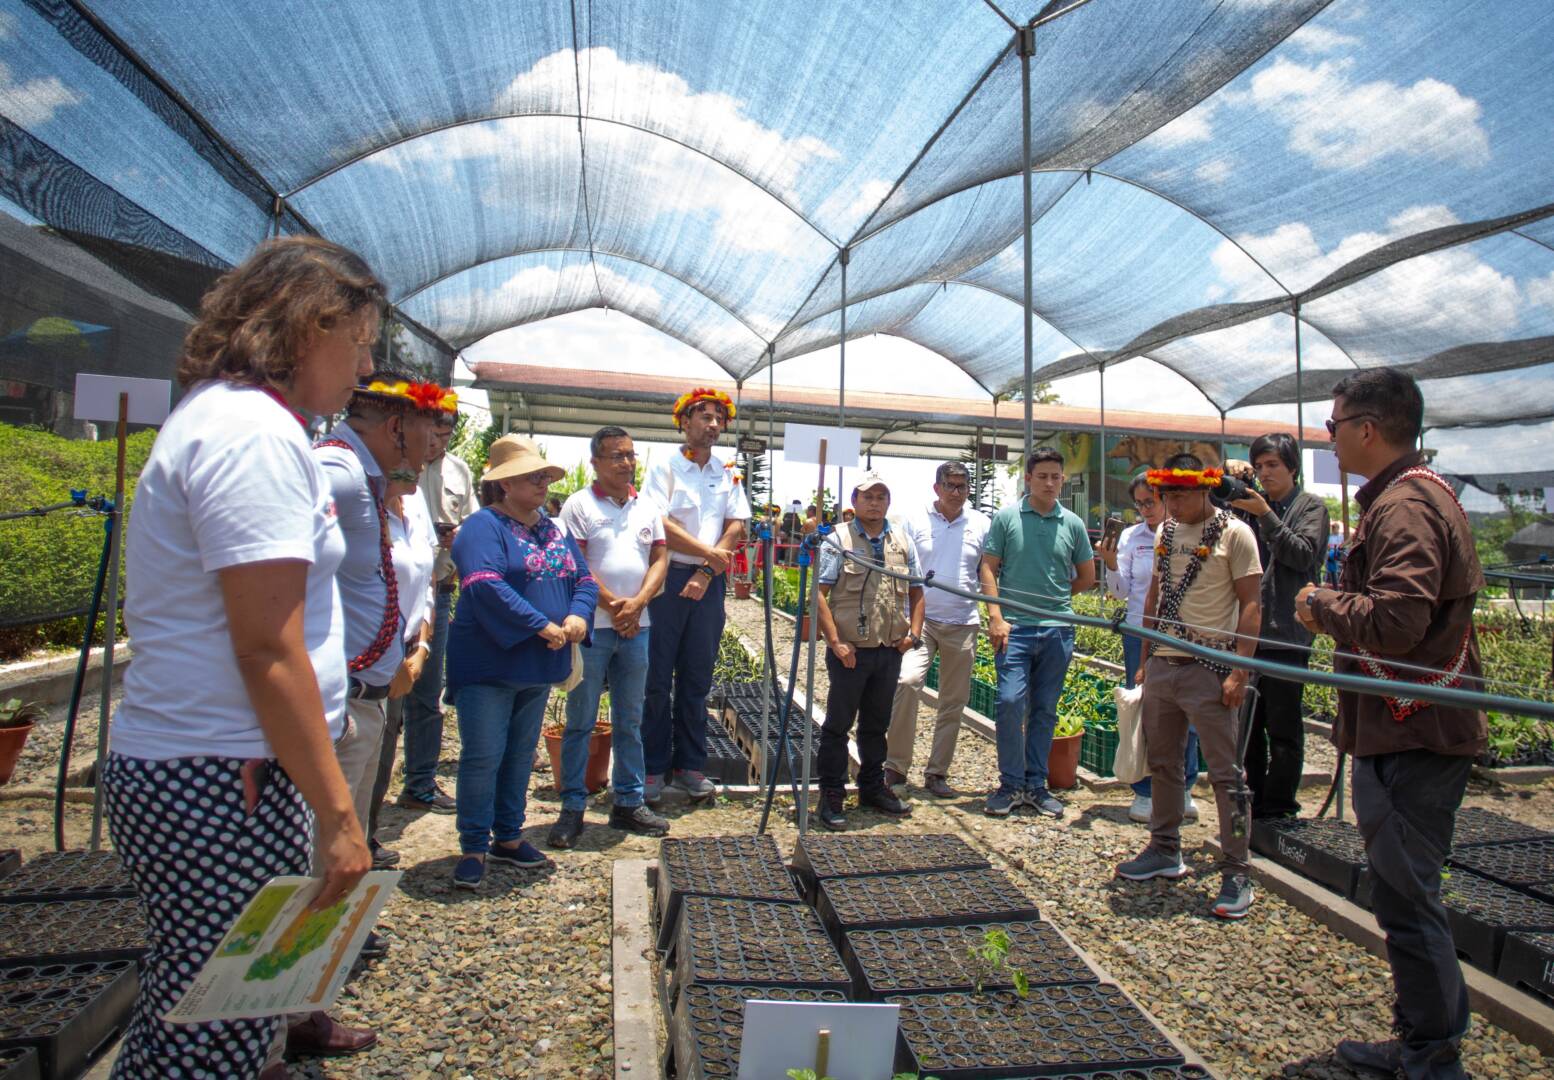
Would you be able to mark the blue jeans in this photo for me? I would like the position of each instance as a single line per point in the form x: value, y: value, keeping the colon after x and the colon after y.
x: 625, y: 661
x: 681, y: 656
x: 499, y: 727
x: 1031, y: 670
x: 423, y: 710
x: 1132, y: 648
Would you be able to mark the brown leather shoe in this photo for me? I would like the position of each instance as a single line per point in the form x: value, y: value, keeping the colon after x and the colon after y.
x: 320, y: 1035
x: 893, y: 779
x: 939, y: 787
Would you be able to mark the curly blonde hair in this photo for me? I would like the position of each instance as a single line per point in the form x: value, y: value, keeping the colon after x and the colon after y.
x: 258, y: 317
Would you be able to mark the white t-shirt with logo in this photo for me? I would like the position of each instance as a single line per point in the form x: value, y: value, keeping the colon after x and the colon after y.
x: 617, y: 541
x: 700, y: 498
x: 231, y: 481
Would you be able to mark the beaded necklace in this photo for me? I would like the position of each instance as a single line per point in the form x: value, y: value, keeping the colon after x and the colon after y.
x: 1173, y: 592
x: 390, y: 625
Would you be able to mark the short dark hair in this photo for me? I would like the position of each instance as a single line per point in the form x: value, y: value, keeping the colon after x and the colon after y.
x: 952, y: 468
x: 1281, y: 444
x: 1041, y: 454
x: 1141, y: 480
x: 603, y: 435
x: 1184, y: 461
x: 1389, y: 396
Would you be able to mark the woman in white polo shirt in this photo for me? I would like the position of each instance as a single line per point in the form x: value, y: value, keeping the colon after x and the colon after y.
x: 222, y: 745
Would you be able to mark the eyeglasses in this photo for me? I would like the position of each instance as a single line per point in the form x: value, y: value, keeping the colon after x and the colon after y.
x: 1145, y: 504
x: 620, y: 459
x: 954, y: 489
x: 1332, y: 425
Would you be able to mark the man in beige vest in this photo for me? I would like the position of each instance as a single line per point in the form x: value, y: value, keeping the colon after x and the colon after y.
x: 868, y: 620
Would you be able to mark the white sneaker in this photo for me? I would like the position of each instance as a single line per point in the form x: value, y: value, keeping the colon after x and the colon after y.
x: 1142, y: 808
x: 1189, y: 808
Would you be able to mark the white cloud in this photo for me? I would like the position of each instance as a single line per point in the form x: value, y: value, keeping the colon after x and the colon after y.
x: 1541, y: 291
x: 1319, y: 39
x: 1340, y: 124
x: 1216, y: 171
x: 7, y: 26
x: 1193, y: 126
x: 32, y: 103
x: 564, y: 286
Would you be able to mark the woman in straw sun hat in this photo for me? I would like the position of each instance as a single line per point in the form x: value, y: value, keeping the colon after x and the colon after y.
x: 526, y: 597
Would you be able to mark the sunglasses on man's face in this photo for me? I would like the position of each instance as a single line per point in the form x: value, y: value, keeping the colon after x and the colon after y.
x: 1332, y: 425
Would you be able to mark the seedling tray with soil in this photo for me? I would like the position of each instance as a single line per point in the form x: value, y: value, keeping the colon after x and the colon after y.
x: 1527, y: 961
x: 935, y: 959
x: 10, y: 859
x: 66, y: 1012
x: 19, y: 1063
x: 1477, y: 826
x: 1056, y: 1030
x: 744, y: 867
x: 1527, y: 865
x: 709, y: 1022
x: 1329, y: 852
x: 819, y: 857
x: 67, y: 875
x: 726, y: 762
x: 900, y: 900
x: 74, y: 930
x: 752, y: 942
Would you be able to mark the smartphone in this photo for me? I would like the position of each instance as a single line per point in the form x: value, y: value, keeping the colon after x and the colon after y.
x: 1111, y: 530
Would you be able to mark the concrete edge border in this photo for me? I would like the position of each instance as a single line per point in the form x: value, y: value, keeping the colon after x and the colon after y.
x: 1508, y: 1008
x: 635, y: 1004
x: 49, y: 680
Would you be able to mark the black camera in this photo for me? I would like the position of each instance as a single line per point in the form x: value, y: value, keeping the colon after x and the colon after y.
x: 1231, y: 489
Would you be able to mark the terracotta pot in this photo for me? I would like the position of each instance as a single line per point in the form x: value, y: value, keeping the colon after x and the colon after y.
x: 597, y: 775
x: 804, y: 630
x: 741, y: 589
x: 1063, y: 762
x: 12, y: 739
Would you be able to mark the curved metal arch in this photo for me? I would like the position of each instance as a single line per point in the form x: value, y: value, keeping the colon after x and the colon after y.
x: 584, y: 251
x: 453, y: 124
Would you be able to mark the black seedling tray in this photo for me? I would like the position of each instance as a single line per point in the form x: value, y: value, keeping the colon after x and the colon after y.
x: 1527, y: 865
x: 68, y: 1013
x: 1481, y: 911
x: 19, y: 1063
x: 1476, y: 826
x: 902, y: 900
x: 73, y: 930
x: 934, y: 959
x: 10, y: 859
x: 754, y: 943
x: 744, y: 867
x: 709, y: 1022
x: 1057, y: 1030
x: 1527, y: 961
x: 819, y: 857
x: 726, y: 762
x: 67, y: 875
x: 1329, y: 852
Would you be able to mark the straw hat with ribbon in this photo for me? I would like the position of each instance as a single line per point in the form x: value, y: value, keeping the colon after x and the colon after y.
x: 514, y: 455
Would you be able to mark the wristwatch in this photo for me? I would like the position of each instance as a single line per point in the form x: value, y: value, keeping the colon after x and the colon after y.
x: 915, y: 639
x: 1311, y: 598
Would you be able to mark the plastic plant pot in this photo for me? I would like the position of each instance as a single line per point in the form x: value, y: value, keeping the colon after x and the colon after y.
x: 596, y: 777
x: 1063, y: 762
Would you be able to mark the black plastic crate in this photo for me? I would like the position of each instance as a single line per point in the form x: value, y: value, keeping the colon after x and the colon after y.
x: 1477, y: 826
x: 726, y: 763
x: 819, y: 856
x: 19, y: 1063
x: 753, y: 943
x: 68, y: 1013
x: 10, y: 859
x: 67, y: 875
x: 709, y: 1022
x: 1527, y: 961
x: 901, y: 900
x: 1527, y: 865
x: 1329, y: 852
x: 74, y: 930
x: 744, y: 867
x: 1480, y: 912
x: 934, y: 959
x: 1055, y: 1031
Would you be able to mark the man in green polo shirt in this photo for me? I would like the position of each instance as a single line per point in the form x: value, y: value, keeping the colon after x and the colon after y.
x: 1037, y: 552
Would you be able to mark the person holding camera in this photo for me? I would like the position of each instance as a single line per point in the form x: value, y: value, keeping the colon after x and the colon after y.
x: 1291, y: 527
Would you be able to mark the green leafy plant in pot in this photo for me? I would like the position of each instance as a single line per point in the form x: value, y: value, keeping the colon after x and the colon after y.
x: 16, y: 720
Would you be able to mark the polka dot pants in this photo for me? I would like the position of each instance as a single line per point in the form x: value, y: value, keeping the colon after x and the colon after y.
x: 198, y: 836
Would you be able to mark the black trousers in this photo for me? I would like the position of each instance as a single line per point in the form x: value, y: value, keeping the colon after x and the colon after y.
x: 865, y: 693
x: 1276, y: 754
x: 1406, y: 807
x: 394, y: 721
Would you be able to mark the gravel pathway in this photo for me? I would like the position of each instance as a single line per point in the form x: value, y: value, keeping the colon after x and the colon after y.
x: 514, y: 981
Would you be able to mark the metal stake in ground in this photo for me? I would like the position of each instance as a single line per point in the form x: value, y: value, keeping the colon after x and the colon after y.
x: 809, y: 676
x: 110, y: 620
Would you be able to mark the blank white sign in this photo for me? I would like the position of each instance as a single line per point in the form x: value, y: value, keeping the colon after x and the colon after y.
x: 801, y: 443
x: 1324, y: 469
x: 97, y: 398
x: 782, y: 1035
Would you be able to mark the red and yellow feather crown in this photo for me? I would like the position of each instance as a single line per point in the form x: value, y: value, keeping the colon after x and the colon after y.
x: 701, y: 393
x: 1184, y: 478
x: 424, y: 396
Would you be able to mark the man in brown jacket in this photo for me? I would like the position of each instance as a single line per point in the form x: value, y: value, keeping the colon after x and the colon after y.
x: 1406, y: 594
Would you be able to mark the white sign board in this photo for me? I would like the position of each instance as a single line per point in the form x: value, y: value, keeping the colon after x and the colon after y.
x: 279, y: 957
x: 801, y: 443
x: 97, y: 398
x: 782, y: 1035
x: 1324, y: 470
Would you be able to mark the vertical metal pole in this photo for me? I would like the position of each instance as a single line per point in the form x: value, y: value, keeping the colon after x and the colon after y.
x: 768, y: 702
x: 1102, y: 453
x: 1300, y: 411
x: 843, y: 257
x: 110, y: 622
x: 1027, y: 48
x: 1222, y: 438
x: 809, y: 676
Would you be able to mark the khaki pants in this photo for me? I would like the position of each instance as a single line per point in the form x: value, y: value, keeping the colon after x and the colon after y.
x: 956, y: 647
x: 1176, y: 695
x: 358, y: 751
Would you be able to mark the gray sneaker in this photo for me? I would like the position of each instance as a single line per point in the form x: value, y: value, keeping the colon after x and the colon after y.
x: 694, y: 784
x: 1235, y: 897
x: 652, y: 787
x: 638, y: 819
x: 1041, y: 801
x: 1000, y: 802
x: 1152, y: 863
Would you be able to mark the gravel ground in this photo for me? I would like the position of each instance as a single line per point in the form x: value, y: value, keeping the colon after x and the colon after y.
x: 514, y: 981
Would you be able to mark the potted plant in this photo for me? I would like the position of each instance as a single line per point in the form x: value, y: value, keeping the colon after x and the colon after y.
x: 597, y: 775
x: 16, y: 720
x: 741, y: 588
x: 1063, y: 759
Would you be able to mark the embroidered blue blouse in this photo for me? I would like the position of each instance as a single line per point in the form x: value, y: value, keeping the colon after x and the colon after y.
x: 514, y: 580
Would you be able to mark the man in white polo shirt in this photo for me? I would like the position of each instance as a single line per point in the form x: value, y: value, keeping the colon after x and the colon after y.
x: 948, y: 536
x: 622, y: 537
x: 705, y: 510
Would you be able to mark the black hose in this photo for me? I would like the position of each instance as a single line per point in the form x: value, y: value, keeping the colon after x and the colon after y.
x: 1332, y: 789
x: 80, y: 684
x: 780, y: 752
